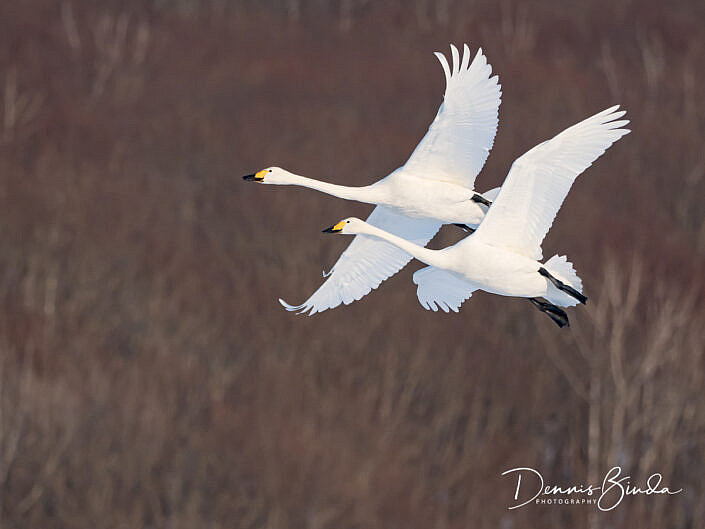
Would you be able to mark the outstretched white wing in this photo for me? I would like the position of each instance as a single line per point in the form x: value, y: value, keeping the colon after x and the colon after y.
x: 368, y: 261
x: 459, y: 140
x: 539, y: 181
x: 438, y: 288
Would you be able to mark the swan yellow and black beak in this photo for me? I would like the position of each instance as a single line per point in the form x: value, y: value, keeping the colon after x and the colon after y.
x: 335, y: 229
x: 257, y: 177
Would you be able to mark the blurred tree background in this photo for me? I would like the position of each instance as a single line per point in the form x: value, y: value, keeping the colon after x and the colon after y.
x: 150, y: 379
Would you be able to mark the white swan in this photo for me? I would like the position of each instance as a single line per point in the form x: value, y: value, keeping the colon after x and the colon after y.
x: 503, y: 255
x: 433, y: 188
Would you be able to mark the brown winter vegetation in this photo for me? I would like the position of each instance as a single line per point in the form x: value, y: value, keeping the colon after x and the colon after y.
x: 150, y: 379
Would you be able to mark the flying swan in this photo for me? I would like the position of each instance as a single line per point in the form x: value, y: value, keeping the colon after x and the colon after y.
x: 433, y: 188
x: 503, y: 256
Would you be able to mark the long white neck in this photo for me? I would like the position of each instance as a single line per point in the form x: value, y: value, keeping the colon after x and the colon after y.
x: 425, y: 255
x: 367, y: 194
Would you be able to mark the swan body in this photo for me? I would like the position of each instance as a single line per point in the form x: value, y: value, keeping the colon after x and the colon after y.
x: 503, y: 256
x: 434, y: 187
x: 480, y: 265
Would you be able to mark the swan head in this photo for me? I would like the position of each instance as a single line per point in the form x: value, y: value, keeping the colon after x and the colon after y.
x: 349, y: 226
x: 270, y: 175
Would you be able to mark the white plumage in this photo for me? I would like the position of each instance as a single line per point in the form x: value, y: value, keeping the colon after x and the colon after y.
x: 438, y: 288
x: 461, y: 136
x: 434, y: 187
x: 539, y: 181
x: 368, y: 261
x: 503, y: 255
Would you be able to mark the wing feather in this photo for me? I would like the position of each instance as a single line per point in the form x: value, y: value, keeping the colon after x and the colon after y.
x: 539, y: 181
x: 368, y: 261
x: 459, y: 140
x: 438, y: 288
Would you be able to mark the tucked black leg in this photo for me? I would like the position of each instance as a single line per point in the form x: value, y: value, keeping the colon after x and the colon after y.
x: 560, y: 285
x: 481, y: 200
x: 557, y: 314
x: 465, y: 228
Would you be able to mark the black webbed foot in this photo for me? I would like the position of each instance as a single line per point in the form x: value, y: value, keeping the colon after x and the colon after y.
x: 557, y: 314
